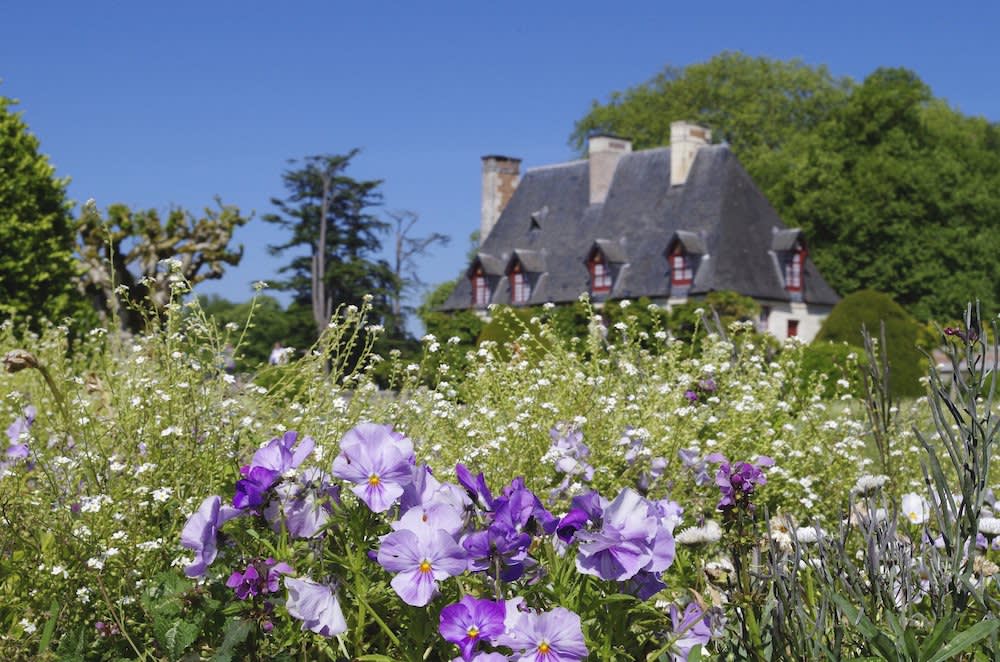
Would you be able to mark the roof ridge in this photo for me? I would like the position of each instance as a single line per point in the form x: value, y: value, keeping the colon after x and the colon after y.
x: 564, y: 164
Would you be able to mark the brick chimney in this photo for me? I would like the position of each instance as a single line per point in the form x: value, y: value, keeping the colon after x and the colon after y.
x: 604, y: 150
x: 685, y: 141
x: 501, y: 175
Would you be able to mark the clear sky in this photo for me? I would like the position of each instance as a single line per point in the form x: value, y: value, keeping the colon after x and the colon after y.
x: 171, y: 103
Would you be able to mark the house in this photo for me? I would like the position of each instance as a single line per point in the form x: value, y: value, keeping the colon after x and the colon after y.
x: 671, y: 224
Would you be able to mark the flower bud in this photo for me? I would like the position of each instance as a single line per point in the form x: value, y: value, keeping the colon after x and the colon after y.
x: 19, y: 359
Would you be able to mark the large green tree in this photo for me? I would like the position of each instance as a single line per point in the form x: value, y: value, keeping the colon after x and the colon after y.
x: 329, y: 215
x: 896, y: 190
x: 36, y: 228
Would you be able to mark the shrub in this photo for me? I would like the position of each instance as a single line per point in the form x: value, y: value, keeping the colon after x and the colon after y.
x: 903, y: 334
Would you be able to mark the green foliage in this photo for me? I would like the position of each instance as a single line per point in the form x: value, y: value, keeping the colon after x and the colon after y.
x: 36, y: 230
x: 870, y: 309
x: 896, y: 191
x: 268, y: 323
x: 832, y: 362
x: 465, y: 325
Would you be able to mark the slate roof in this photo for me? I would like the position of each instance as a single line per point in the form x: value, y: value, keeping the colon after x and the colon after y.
x: 719, y: 214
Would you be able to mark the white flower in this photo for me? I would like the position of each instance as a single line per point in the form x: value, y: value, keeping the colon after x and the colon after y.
x: 83, y: 595
x: 95, y: 563
x: 868, y: 483
x: 989, y: 526
x: 695, y: 535
x: 27, y: 626
x: 806, y: 534
x: 915, y: 508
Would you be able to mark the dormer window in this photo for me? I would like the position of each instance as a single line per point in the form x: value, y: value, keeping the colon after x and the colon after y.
x: 520, y: 288
x: 681, y: 267
x: 793, y: 269
x: 480, y: 289
x: 600, y: 274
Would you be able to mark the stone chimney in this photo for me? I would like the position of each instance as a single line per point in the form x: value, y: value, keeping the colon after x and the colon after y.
x: 685, y: 141
x: 501, y: 175
x: 604, y: 151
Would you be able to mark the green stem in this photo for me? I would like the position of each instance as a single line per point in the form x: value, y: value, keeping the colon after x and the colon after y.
x: 378, y: 619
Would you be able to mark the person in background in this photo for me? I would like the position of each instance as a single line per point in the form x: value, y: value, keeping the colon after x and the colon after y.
x: 277, y: 354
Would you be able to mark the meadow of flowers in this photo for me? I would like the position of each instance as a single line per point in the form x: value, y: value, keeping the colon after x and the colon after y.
x: 618, y: 497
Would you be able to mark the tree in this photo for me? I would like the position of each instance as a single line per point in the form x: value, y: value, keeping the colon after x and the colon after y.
x: 405, y: 269
x: 36, y: 228
x: 125, y: 249
x: 895, y: 190
x: 328, y: 214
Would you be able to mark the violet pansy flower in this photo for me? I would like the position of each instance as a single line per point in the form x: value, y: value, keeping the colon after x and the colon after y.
x: 470, y: 621
x: 691, y: 628
x: 553, y: 636
x: 268, y: 464
x: 421, y: 559
x: 635, y: 535
x: 200, y: 531
x: 303, y: 505
x: 22, y: 424
x: 378, y: 461
x: 316, y: 605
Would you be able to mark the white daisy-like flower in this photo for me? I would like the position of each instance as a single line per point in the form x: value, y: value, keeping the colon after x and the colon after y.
x: 696, y: 535
x: 868, y: 483
x: 989, y: 526
x: 806, y: 535
x: 915, y: 508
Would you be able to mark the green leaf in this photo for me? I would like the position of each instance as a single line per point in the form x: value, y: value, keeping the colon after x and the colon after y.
x: 50, y: 627
x: 175, y: 638
x: 965, y: 640
x: 695, y: 654
x: 237, y: 631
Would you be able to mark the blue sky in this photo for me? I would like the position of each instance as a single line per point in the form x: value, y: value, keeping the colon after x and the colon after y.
x: 173, y: 103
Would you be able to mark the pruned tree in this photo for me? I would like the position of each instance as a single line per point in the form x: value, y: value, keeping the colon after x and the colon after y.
x: 407, y: 250
x: 122, y: 255
x: 328, y: 213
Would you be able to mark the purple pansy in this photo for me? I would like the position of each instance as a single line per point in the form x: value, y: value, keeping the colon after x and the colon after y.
x: 316, y: 605
x: 378, y: 461
x: 22, y: 424
x: 696, y: 465
x: 421, y: 558
x: 553, y: 636
x: 515, y: 518
x: 200, y: 531
x: 303, y: 505
x: 476, y: 487
x: 258, y: 578
x: 635, y: 535
x: 268, y: 464
x: 691, y: 629
x: 471, y: 621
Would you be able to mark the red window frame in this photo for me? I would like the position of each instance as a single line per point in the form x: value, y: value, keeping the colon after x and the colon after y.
x: 793, y: 271
x: 681, y: 271
x: 600, y: 275
x: 480, y: 289
x: 520, y: 288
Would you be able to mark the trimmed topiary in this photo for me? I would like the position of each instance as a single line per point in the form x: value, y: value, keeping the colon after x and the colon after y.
x: 903, y: 335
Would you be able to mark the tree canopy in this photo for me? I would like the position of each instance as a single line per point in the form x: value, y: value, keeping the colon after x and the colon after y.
x: 36, y: 228
x: 896, y: 190
x: 329, y: 215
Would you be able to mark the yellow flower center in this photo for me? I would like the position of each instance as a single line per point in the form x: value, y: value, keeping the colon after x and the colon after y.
x: 373, y: 480
x: 543, y: 647
x: 473, y: 632
x: 425, y: 566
